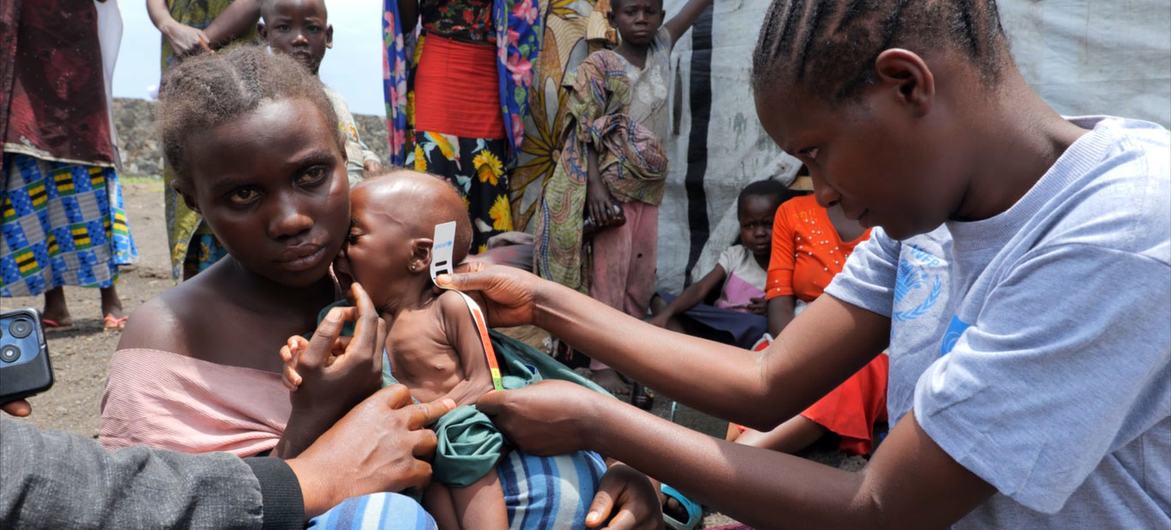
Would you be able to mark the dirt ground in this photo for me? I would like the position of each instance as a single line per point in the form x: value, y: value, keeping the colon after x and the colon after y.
x: 81, y: 354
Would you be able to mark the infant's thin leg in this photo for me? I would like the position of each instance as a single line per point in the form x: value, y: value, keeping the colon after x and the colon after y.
x: 438, y: 502
x: 480, y: 506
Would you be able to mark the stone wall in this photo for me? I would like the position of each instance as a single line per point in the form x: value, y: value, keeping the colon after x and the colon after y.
x: 142, y: 150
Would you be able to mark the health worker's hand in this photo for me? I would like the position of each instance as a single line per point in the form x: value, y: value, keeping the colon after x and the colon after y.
x: 548, y: 418
x: 507, y: 294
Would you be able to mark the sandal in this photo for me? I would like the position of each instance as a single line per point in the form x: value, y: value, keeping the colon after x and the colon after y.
x: 49, y: 324
x: 112, y: 323
x: 692, y: 511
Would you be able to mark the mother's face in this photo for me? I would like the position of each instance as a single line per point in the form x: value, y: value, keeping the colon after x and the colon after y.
x: 272, y: 186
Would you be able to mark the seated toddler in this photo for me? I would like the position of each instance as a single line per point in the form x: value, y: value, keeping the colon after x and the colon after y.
x: 738, y: 315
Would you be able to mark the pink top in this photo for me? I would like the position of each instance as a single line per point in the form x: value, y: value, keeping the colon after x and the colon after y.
x: 745, y: 279
x: 171, y: 401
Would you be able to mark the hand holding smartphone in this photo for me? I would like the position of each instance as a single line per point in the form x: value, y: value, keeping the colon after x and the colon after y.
x: 24, y: 355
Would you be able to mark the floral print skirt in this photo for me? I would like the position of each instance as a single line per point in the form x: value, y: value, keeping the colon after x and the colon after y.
x: 476, y: 167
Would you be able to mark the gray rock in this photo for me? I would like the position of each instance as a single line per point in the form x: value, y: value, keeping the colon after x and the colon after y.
x: 141, y: 147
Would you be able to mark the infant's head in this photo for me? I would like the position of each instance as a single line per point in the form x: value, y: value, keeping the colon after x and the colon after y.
x: 388, y: 249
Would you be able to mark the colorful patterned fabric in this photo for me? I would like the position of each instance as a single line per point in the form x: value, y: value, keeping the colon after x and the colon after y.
x: 203, y: 251
x: 182, y: 222
x: 198, y: 14
x: 518, y: 29
x: 60, y: 224
x: 465, y: 20
x: 563, y: 48
x: 475, y: 166
x: 52, y: 83
x: 631, y: 163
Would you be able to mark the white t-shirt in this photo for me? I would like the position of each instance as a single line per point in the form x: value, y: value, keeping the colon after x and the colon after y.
x: 1049, y: 375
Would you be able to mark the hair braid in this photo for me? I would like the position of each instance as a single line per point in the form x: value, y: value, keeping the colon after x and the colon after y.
x: 830, y: 46
x: 204, y: 92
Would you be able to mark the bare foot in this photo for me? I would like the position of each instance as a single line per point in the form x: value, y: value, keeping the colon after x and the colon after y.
x: 111, y: 304
x: 113, y: 318
x: 56, y: 312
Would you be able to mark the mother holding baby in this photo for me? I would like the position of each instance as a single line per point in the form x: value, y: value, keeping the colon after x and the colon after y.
x: 256, y: 152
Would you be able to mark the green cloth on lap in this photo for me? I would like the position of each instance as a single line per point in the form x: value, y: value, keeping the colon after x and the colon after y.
x: 469, y: 444
x: 469, y: 447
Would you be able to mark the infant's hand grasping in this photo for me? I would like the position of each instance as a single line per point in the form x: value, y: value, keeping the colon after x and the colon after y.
x: 291, y: 357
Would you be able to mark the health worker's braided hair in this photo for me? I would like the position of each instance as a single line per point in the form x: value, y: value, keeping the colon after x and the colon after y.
x: 203, y: 92
x: 829, y: 46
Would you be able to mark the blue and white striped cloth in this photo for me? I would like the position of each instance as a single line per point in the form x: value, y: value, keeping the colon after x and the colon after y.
x: 540, y: 493
x: 549, y: 492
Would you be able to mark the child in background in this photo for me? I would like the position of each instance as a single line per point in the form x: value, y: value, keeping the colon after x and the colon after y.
x: 738, y: 315
x: 300, y: 28
x: 810, y: 246
x: 612, y: 167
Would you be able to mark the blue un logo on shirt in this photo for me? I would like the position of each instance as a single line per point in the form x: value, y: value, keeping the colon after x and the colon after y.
x: 955, y: 329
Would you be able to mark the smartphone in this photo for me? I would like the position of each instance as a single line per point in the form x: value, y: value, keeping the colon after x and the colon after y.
x: 24, y: 355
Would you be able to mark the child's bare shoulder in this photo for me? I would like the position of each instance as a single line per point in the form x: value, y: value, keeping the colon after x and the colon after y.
x: 457, y: 319
x: 452, y: 307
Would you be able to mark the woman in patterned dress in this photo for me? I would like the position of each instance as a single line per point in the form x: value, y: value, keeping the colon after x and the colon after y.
x: 61, y: 215
x: 457, y: 75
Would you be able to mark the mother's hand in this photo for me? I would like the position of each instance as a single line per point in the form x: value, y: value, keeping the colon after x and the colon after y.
x: 333, y: 384
x: 507, y: 294
x: 626, y: 500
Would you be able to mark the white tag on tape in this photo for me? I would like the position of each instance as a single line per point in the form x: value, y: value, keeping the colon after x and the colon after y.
x: 441, y: 249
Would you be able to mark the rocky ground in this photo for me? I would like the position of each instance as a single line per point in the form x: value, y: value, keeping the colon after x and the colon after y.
x: 80, y: 355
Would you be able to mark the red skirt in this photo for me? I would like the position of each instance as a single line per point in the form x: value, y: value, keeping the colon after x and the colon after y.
x: 852, y: 409
x: 457, y: 89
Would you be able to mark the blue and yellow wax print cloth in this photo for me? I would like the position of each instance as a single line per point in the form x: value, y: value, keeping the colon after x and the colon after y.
x: 60, y: 224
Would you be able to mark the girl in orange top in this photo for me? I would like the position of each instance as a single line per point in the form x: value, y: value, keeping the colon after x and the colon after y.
x: 810, y: 246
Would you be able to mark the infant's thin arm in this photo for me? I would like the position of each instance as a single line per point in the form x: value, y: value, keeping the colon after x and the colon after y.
x: 463, y: 337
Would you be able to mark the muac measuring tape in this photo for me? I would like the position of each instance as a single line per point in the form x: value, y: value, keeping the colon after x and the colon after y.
x: 441, y: 252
